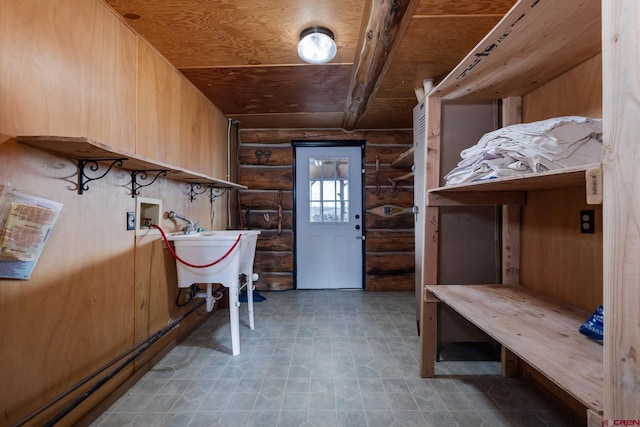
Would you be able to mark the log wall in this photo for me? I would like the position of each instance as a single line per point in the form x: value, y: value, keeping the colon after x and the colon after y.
x: 268, y: 205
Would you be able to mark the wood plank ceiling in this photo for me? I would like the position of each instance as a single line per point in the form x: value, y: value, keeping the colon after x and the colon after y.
x: 242, y: 54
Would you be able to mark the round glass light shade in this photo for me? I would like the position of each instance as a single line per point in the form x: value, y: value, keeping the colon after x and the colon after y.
x: 317, y: 45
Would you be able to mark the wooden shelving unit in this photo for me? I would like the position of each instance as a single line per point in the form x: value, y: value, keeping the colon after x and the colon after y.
x: 81, y: 148
x: 537, y: 41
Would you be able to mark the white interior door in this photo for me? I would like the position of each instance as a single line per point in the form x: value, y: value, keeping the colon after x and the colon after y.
x: 329, y: 226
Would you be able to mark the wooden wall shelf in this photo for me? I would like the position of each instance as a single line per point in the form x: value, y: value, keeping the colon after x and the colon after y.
x: 85, y: 149
x: 404, y: 160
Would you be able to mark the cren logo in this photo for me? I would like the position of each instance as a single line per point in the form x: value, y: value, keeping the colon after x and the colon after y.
x: 609, y: 422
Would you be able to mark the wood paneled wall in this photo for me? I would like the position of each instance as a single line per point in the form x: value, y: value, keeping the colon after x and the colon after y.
x: 68, y: 68
x: 176, y: 121
x: 572, y: 260
x: 551, y: 237
x: 74, y: 68
x: 577, y: 92
x: 389, y: 246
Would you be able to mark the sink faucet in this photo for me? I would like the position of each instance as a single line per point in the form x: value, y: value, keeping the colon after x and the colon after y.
x: 190, y: 228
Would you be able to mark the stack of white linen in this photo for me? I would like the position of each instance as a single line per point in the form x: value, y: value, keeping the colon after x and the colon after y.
x: 541, y: 146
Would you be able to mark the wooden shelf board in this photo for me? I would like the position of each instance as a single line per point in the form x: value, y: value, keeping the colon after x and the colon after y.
x: 561, y: 178
x: 405, y: 160
x: 476, y: 198
x: 85, y: 148
x: 540, y: 330
x: 536, y: 41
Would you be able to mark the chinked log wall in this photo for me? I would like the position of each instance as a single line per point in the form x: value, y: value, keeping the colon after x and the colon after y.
x: 389, y: 244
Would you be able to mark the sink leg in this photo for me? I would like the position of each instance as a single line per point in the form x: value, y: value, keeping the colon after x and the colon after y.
x: 209, y: 298
x: 250, y: 300
x: 234, y: 318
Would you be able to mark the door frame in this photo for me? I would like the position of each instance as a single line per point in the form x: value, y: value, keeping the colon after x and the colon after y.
x: 324, y: 143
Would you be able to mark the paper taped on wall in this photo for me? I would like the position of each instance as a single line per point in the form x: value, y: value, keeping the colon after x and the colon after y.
x: 26, y: 222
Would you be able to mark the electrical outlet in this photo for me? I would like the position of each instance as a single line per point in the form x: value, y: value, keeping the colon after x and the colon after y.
x: 587, y: 222
x: 131, y: 221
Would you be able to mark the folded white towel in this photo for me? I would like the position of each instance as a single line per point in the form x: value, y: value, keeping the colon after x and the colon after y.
x: 531, y: 147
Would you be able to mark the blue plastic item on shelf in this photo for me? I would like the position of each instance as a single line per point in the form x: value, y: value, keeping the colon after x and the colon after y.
x: 593, y: 327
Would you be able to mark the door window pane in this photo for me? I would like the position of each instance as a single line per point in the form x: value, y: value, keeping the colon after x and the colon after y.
x: 328, y: 190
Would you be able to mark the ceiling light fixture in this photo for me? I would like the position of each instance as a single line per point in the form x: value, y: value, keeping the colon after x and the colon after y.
x: 317, y: 45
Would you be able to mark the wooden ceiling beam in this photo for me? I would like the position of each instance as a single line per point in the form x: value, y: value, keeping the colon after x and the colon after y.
x: 388, y: 21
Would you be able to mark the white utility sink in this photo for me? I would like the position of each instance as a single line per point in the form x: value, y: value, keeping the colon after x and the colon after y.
x: 203, y: 248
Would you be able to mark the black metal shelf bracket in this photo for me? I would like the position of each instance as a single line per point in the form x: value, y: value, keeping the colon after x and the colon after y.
x: 214, y: 192
x: 92, y: 164
x: 195, y: 190
x: 144, y: 176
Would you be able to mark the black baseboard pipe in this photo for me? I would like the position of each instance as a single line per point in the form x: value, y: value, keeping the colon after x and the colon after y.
x: 139, y: 350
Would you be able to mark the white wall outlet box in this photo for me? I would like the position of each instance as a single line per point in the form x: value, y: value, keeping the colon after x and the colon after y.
x: 148, y: 211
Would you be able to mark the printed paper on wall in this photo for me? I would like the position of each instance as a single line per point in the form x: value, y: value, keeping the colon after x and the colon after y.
x: 25, y: 223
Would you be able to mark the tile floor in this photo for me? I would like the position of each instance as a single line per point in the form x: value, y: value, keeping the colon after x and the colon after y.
x: 324, y: 358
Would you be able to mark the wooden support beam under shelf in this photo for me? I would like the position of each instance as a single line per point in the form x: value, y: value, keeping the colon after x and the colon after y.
x: 476, y: 198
